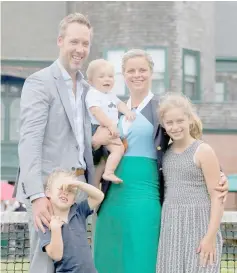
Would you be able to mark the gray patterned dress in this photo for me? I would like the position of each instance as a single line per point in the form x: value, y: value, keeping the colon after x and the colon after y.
x: 185, y: 215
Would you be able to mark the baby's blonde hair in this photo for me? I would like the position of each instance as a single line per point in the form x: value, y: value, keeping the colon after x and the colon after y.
x: 57, y: 174
x: 93, y: 65
x: 173, y: 100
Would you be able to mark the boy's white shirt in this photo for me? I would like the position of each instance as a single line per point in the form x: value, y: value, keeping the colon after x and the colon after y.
x: 108, y: 103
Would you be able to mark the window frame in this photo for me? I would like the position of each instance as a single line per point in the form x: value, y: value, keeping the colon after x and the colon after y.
x: 105, y: 56
x: 14, y: 135
x: 166, y: 71
x: 7, y: 99
x: 225, y: 92
x: 196, y: 54
x: 3, y: 120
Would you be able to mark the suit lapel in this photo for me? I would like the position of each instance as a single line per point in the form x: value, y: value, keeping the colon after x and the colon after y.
x: 83, y: 98
x: 86, y: 117
x: 63, y: 93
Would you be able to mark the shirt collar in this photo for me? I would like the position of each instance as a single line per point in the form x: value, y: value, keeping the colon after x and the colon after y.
x: 72, y: 212
x: 65, y: 74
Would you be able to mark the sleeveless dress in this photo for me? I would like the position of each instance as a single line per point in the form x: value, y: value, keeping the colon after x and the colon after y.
x: 185, y: 215
x: 128, y: 224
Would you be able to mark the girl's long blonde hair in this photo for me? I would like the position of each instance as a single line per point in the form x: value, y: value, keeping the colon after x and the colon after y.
x: 177, y: 100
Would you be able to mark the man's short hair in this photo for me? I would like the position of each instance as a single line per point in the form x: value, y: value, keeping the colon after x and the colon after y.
x: 73, y: 18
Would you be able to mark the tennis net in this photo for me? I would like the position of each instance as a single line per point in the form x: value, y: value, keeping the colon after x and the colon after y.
x: 15, y: 243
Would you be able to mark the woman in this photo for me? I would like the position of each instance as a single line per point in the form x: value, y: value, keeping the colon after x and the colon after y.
x: 128, y: 223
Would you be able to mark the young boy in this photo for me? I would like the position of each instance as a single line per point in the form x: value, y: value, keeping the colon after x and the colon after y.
x: 66, y: 240
x: 103, y: 107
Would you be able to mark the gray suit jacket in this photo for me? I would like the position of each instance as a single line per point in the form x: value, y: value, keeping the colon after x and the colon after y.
x: 47, y: 133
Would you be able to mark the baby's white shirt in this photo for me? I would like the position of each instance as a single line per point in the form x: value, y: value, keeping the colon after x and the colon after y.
x: 108, y: 102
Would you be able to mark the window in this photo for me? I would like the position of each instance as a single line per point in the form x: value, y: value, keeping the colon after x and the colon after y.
x: 115, y: 57
x: 219, y: 92
x: 2, y: 121
x: 10, y: 108
x: 159, y: 81
x: 14, y: 119
x: 3, y: 88
x: 191, y: 74
x: 14, y: 90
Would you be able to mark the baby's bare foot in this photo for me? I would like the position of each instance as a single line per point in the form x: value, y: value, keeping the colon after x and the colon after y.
x: 112, y: 177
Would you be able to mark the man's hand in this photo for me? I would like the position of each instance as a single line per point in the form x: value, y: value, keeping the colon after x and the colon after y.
x: 42, y: 212
x: 223, y: 187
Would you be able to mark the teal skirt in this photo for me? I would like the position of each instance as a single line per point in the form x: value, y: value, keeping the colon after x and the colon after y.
x: 128, y: 224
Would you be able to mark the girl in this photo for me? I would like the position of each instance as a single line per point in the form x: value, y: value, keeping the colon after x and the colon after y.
x: 190, y: 239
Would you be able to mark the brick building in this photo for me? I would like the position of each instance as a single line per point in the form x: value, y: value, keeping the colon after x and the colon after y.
x: 192, y: 43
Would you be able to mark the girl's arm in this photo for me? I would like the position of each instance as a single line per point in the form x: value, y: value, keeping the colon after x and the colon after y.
x: 208, y: 162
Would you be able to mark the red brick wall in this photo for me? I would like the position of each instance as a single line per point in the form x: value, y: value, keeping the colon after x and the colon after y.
x: 225, y: 147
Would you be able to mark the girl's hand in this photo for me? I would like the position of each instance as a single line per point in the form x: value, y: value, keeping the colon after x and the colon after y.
x: 207, y: 250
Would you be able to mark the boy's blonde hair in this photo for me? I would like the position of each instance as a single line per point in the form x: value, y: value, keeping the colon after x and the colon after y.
x: 57, y: 174
x: 173, y: 100
x: 73, y: 18
x: 93, y: 65
x: 133, y: 53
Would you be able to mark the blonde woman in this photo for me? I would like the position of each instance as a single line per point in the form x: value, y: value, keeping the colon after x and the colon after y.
x: 190, y: 239
x: 128, y: 223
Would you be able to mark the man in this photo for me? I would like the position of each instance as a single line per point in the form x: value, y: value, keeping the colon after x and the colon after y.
x: 55, y: 129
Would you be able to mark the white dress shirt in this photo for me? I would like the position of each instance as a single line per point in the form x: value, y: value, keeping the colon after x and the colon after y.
x: 76, y: 104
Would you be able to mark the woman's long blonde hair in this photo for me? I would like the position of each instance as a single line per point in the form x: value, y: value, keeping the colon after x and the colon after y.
x: 177, y: 100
